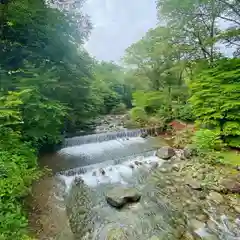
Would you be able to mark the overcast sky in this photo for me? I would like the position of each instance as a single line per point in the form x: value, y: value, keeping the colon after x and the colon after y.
x: 117, y: 24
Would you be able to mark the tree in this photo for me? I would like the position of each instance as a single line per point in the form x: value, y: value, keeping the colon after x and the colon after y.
x: 215, y: 99
x: 157, y: 57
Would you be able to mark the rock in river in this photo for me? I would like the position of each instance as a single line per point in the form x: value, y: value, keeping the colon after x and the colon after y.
x: 165, y: 153
x: 232, y: 185
x: 119, y: 196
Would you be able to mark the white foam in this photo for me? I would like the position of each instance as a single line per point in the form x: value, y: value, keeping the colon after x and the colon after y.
x: 100, y: 147
x: 119, y: 173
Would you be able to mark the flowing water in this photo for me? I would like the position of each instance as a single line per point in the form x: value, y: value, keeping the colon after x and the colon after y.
x: 101, y: 162
x: 104, y: 161
x: 86, y: 168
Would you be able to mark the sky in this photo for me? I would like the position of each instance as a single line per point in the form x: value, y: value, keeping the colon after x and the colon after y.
x: 117, y: 24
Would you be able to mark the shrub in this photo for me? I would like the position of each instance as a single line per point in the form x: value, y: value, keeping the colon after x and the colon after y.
x: 17, y: 171
x: 183, y: 138
x: 206, y: 140
x: 149, y: 101
x: 183, y: 112
x: 215, y: 99
x: 119, y: 109
x: 139, y: 115
x: 131, y: 124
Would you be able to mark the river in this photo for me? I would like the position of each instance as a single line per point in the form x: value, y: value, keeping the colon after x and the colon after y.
x: 70, y: 204
x: 123, y: 155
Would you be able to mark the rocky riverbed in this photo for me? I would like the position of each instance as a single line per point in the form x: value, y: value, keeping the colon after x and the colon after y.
x: 185, y: 198
x: 207, y: 194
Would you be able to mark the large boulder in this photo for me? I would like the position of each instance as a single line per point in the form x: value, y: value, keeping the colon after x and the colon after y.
x: 119, y: 196
x: 165, y: 152
x: 78, y: 208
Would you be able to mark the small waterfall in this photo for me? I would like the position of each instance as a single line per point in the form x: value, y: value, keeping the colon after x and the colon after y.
x: 122, y: 170
x: 101, y: 137
x: 81, y: 170
x: 97, y: 152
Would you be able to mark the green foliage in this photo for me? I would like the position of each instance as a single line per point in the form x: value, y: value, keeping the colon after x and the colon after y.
x: 130, y: 124
x: 215, y: 98
x: 206, y: 140
x: 18, y: 170
x: 110, y: 87
x: 150, y: 101
x: 42, y: 117
x: 9, y: 111
x: 139, y: 115
x: 183, y: 138
x: 119, y: 109
x: 183, y: 112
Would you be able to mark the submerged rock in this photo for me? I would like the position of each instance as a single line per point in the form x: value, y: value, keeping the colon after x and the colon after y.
x: 119, y: 196
x: 154, y: 165
x: 165, y: 153
x: 131, y: 166
x: 144, y: 135
x: 102, y: 171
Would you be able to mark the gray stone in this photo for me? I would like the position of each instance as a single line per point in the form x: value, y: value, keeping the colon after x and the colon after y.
x: 154, y: 165
x: 215, y: 197
x: 165, y: 152
x: 176, y: 167
x: 231, y: 185
x: 195, y: 185
x: 194, y: 224
x: 237, y: 208
x: 189, y: 152
x: 144, y: 135
x: 202, y: 217
x: 119, y: 196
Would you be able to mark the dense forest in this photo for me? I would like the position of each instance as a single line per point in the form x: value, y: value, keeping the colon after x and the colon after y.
x: 51, y: 85
x: 180, y: 71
